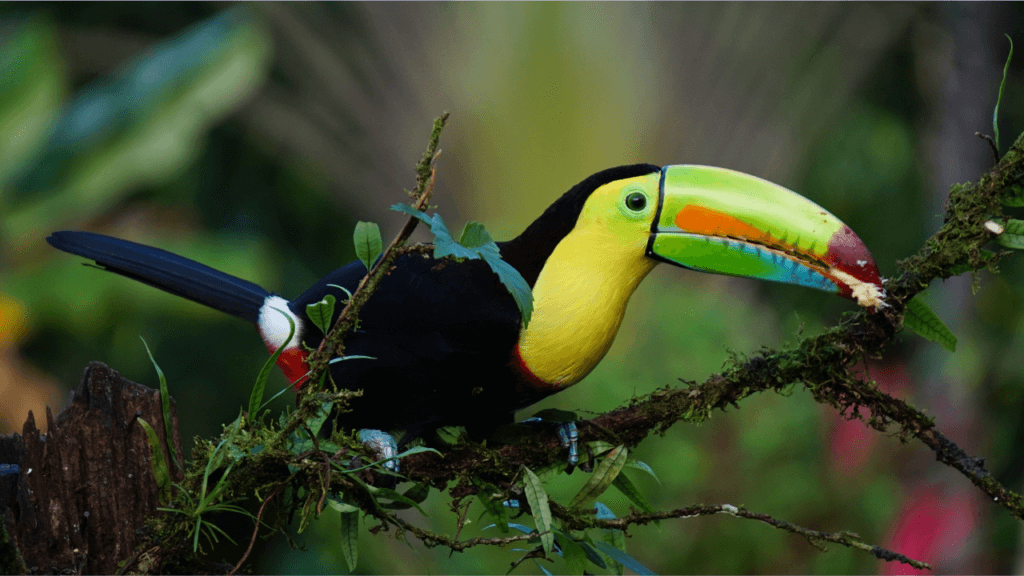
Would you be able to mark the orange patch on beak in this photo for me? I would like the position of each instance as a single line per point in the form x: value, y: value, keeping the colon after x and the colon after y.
x: 701, y: 220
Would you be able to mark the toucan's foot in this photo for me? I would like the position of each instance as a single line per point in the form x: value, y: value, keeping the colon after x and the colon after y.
x: 568, y: 436
x: 382, y: 445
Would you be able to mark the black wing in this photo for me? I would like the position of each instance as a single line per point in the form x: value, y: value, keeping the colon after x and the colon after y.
x: 441, y: 334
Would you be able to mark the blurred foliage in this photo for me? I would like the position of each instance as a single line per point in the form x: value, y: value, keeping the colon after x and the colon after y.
x: 178, y: 126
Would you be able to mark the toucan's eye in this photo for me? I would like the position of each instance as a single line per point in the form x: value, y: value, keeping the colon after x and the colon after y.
x: 636, y: 201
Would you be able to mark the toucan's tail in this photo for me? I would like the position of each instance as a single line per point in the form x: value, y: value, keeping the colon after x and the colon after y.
x: 166, y: 271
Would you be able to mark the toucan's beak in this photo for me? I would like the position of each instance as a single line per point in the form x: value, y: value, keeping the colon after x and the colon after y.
x: 727, y: 222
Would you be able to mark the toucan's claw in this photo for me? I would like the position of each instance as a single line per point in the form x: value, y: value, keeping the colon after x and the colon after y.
x: 568, y: 436
x: 382, y: 445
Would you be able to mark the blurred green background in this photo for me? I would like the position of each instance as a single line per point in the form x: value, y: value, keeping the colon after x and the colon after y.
x: 252, y: 138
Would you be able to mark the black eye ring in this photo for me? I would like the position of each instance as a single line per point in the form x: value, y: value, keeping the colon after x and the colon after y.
x: 636, y: 201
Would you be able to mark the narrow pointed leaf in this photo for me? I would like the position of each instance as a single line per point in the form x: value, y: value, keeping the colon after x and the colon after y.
x: 1013, y: 235
x: 399, y: 501
x: 256, y: 398
x: 623, y: 558
x: 368, y: 243
x: 494, y: 507
x: 161, y: 472
x: 641, y: 465
x: 340, y: 506
x: 592, y: 554
x: 575, y: 559
x: 999, y: 98
x: 349, y: 540
x: 629, y: 490
x: 551, y: 471
x: 322, y: 312
x: 538, y: 500
x: 922, y: 320
x: 165, y: 404
x: 613, y: 537
x: 599, y: 447
x: 603, y: 476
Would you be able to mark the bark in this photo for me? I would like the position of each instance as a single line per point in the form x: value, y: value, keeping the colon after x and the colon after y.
x: 86, y: 488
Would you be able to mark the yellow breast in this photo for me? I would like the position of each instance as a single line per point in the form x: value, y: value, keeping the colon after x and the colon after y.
x: 581, y: 294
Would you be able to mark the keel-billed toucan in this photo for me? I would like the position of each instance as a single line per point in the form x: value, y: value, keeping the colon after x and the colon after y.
x: 446, y: 339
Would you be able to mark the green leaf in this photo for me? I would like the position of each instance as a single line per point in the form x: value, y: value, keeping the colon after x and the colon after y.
x: 599, y: 447
x: 603, y: 476
x: 493, y: 503
x: 409, y: 452
x: 538, y: 500
x: 613, y: 537
x: 368, y: 243
x: 995, y: 113
x: 349, y: 540
x: 161, y: 473
x: 317, y: 422
x: 551, y: 471
x: 922, y: 320
x: 515, y: 283
x: 575, y: 559
x: 593, y: 555
x: 623, y: 558
x: 341, y: 506
x: 626, y: 486
x: 445, y: 245
x: 475, y: 235
x: 322, y: 312
x: 451, y: 435
x: 640, y: 465
x: 418, y: 492
x: 165, y: 404
x: 398, y: 501
x: 1013, y: 235
x: 256, y: 398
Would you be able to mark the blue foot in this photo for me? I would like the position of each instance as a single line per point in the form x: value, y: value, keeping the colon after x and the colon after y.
x: 382, y: 445
x: 568, y: 436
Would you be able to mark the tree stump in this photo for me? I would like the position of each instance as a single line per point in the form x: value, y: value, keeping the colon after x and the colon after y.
x: 85, y: 489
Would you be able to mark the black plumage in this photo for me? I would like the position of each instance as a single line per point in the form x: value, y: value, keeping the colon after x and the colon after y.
x: 441, y: 333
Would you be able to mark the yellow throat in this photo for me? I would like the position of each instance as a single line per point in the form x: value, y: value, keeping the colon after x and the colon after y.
x: 581, y: 293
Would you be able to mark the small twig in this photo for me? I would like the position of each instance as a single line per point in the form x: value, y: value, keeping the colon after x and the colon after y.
x: 431, y: 539
x: 814, y: 537
x: 333, y: 344
x: 991, y: 143
x: 256, y: 528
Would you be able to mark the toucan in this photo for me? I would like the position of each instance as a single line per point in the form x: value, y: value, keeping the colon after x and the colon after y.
x: 443, y: 342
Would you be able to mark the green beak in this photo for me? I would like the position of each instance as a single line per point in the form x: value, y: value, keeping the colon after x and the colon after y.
x: 727, y: 222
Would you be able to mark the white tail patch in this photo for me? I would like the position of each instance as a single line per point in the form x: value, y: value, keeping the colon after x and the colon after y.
x: 273, y: 323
